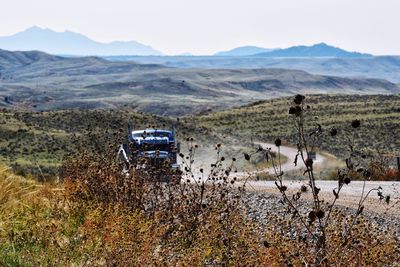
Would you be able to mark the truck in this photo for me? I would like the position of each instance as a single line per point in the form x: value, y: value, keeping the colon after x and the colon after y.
x: 152, y: 151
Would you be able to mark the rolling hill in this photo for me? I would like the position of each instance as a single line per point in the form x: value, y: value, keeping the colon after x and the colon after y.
x: 70, y: 43
x: 12, y: 60
x: 380, y: 67
x: 265, y: 121
x: 38, y: 81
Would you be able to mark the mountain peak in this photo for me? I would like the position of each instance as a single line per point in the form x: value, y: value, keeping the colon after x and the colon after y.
x: 322, y: 45
x: 247, y: 50
x: 36, y: 29
x: 32, y: 28
x: 70, y: 43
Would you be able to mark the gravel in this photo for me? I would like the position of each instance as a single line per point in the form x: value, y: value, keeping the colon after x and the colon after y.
x: 261, y: 205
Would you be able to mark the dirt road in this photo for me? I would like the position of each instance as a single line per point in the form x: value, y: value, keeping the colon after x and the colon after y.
x: 288, y: 166
x: 290, y: 153
x: 350, y: 194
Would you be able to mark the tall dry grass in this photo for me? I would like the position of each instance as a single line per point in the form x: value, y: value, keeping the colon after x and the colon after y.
x: 101, y: 216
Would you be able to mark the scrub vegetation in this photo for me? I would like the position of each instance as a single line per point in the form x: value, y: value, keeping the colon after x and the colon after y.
x: 98, y: 215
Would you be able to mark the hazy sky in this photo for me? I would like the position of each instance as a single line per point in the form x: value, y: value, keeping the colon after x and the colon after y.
x: 208, y: 26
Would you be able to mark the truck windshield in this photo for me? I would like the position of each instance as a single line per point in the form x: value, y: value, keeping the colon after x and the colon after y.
x: 154, y: 147
x: 153, y: 134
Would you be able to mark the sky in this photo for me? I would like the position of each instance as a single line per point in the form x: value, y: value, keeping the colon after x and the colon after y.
x: 202, y: 27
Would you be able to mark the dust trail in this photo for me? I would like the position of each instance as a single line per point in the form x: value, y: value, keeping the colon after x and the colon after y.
x: 289, y: 166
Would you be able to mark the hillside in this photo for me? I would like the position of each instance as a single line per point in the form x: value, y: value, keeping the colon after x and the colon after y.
x: 70, y: 43
x: 381, y: 67
x: 268, y: 120
x: 37, y: 142
x: 37, y: 81
x: 19, y: 59
x: 32, y: 139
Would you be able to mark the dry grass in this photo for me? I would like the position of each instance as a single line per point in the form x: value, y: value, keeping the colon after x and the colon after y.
x: 100, y: 216
x: 267, y: 120
x: 92, y: 219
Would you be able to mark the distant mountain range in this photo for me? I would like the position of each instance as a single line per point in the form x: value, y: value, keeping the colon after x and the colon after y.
x: 243, y: 51
x: 314, y: 51
x: 317, y: 50
x: 70, y: 43
x: 74, y: 44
